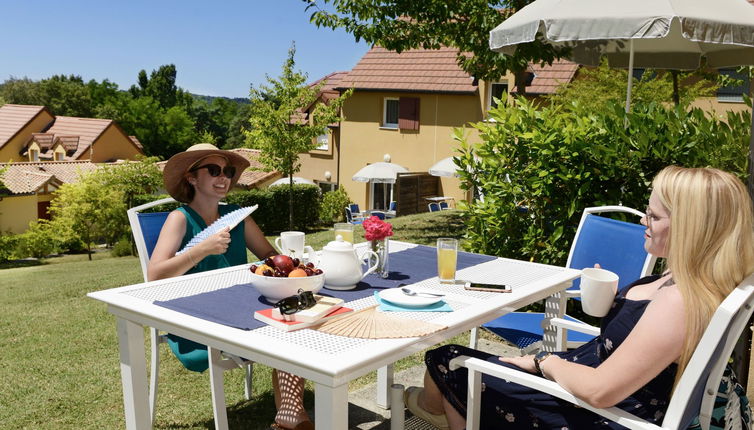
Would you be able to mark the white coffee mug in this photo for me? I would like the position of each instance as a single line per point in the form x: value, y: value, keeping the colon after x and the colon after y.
x: 598, y: 288
x: 291, y: 243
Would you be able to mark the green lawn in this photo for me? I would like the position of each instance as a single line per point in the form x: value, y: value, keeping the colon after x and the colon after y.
x: 60, y: 369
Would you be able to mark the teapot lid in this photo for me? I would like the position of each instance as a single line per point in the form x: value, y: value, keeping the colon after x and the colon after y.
x: 339, y: 245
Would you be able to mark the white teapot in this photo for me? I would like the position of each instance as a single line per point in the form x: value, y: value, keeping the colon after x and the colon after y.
x: 342, y: 266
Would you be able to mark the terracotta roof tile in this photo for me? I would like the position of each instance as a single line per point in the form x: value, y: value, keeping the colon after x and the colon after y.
x: 14, y: 117
x: 88, y: 130
x: 421, y: 70
x: 27, y: 177
x: 548, y: 78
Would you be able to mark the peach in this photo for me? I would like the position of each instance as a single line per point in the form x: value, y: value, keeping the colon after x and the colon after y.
x: 297, y: 273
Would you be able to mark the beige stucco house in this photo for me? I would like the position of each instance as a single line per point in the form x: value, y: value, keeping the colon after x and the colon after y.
x: 39, y: 152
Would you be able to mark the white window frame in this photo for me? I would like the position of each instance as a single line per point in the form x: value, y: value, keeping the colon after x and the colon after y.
x: 33, y: 155
x: 386, y: 124
x: 489, y: 92
x: 372, y: 194
x: 323, y: 141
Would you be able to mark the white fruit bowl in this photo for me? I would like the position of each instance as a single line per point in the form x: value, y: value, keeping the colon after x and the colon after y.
x: 274, y: 289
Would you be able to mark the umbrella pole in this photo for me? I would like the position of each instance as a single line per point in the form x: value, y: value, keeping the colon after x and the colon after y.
x: 630, y: 74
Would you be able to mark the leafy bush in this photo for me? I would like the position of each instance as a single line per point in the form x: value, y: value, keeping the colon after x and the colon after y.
x: 122, y: 248
x: 39, y: 240
x: 333, y: 204
x: 8, y: 244
x: 272, y: 214
x: 560, y: 161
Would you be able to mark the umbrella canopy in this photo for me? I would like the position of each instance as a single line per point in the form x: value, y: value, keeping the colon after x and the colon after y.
x: 660, y: 34
x: 296, y: 180
x: 382, y: 172
x: 666, y: 34
x: 444, y: 167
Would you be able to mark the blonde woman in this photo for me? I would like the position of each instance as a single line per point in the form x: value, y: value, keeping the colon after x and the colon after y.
x: 201, y: 177
x: 701, y: 221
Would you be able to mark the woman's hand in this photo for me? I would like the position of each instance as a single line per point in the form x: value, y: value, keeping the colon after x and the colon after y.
x: 525, y: 363
x: 217, y: 243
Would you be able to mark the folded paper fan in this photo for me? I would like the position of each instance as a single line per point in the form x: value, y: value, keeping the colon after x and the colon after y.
x: 229, y: 220
x: 370, y: 323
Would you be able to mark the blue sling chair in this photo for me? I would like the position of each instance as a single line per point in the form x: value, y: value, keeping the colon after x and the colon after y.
x: 617, y: 246
x: 146, y: 227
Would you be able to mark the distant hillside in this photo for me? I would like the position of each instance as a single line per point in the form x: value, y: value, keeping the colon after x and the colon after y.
x: 208, y: 99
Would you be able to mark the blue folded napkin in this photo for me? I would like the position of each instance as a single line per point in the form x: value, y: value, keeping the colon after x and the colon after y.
x: 387, y: 306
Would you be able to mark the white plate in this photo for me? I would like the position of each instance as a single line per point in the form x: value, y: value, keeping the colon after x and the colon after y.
x: 395, y: 295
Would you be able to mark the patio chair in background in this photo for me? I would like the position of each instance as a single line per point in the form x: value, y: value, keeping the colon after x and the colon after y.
x: 146, y: 229
x: 617, y: 246
x: 444, y: 206
x: 355, y: 211
x: 378, y: 214
x: 352, y: 219
x: 433, y: 207
x: 392, y: 210
x: 693, y: 396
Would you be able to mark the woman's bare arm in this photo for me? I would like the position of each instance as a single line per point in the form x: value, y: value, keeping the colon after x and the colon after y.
x: 255, y: 240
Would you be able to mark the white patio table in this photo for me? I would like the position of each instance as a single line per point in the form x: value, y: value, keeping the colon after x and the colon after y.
x: 327, y: 360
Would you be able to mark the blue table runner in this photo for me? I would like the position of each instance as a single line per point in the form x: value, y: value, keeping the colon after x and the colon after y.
x: 235, y: 306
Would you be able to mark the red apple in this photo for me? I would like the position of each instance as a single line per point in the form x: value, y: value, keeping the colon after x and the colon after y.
x: 284, y: 263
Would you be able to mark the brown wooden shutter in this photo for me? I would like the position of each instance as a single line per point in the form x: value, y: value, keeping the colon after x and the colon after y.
x: 408, y: 113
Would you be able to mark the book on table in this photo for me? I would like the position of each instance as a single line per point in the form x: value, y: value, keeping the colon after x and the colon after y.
x: 324, y: 306
x: 272, y: 316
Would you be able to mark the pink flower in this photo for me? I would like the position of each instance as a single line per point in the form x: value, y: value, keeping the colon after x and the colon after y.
x: 376, y: 229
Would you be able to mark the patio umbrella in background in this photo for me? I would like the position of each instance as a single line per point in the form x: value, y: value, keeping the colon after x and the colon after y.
x: 382, y: 172
x: 296, y: 180
x: 658, y: 34
x: 445, y: 167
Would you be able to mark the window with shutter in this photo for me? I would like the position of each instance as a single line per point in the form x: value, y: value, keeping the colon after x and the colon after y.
x: 390, y: 113
x: 408, y: 113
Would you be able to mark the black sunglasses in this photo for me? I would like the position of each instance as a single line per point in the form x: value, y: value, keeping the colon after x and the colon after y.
x: 291, y: 305
x: 214, y: 170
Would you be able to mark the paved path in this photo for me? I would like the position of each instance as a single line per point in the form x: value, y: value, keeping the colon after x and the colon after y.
x: 364, y: 414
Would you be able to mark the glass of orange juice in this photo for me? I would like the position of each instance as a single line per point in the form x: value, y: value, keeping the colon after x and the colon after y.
x: 345, y: 230
x: 447, y: 255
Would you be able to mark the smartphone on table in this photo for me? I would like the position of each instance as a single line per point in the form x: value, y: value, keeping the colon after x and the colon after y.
x: 495, y: 288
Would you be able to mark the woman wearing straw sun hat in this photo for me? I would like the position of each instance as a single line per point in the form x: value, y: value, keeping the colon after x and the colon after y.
x: 201, y: 177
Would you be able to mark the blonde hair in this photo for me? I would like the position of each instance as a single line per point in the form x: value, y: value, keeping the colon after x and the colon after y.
x: 711, y: 244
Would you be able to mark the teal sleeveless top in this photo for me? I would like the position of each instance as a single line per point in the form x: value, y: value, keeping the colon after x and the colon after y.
x: 193, y: 355
x: 236, y: 253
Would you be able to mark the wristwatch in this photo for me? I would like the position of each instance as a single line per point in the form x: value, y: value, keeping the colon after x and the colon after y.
x: 539, y: 358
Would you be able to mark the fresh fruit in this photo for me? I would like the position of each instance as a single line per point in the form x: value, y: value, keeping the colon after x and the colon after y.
x: 296, y: 262
x: 283, y: 263
x: 297, y: 273
x: 261, y: 269
x: 253, y: 268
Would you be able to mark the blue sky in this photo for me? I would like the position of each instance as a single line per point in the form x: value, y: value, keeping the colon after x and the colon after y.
x: 219, y: 48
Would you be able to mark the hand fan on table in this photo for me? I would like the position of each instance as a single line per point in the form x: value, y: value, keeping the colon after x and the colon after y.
x: 229, y: 220
x: 370, y: 323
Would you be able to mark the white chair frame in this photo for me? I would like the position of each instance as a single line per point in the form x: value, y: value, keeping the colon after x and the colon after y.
x: 218, y: 361
x: 702, y: 374
x: 559, y: 324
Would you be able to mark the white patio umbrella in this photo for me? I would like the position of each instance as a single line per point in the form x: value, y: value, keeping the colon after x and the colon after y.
x: 296, y: 180
x: 381, y: 172
x: 445, y: 167
x: 660, y: 34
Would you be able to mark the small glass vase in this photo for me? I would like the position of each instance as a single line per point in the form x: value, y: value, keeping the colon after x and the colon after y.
x: 380, y: 247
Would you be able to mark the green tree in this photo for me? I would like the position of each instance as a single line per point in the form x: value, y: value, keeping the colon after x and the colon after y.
x: 86, y: 210
x: 598, y: 87
x: 282, y: 128
x: 399, y: 25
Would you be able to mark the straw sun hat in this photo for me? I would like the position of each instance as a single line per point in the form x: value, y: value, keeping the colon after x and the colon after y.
x: 174, y: 174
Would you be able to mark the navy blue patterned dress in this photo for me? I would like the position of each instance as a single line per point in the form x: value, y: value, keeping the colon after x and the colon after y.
x: 507, y: 405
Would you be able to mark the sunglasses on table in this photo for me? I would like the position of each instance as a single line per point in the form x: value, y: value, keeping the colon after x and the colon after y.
x: 214, y: 170
x: 299, y: 302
